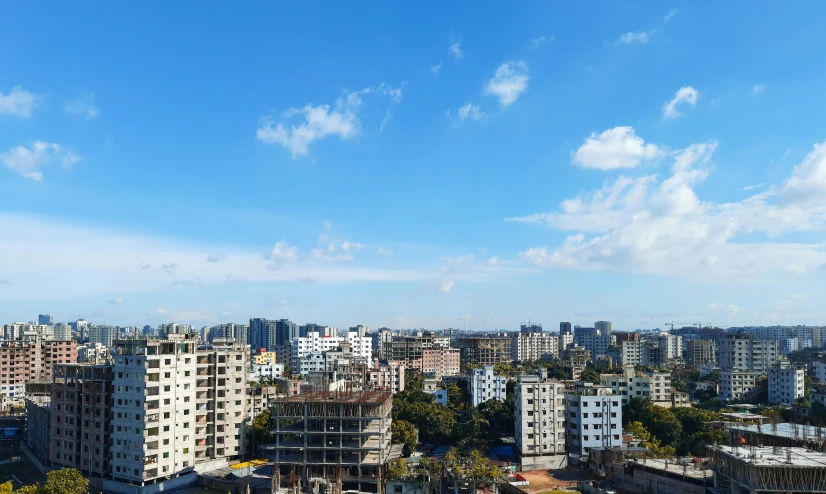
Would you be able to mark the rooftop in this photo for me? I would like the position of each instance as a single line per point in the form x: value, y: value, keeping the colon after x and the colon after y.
x: 767, y: 456
x: 785, y: 429
x: 744, y: 416
x: 345, y: 396
x: 682, y: 468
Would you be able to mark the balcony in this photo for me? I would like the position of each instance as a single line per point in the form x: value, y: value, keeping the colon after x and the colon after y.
x: 153, y: 391
x: 151, y: 418
x: 150, y: 474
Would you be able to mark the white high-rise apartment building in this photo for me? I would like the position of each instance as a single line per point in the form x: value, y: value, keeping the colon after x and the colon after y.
x: 632, y: 352
x: 174, y: 405
x: 654, y: 386
x: 540, y: 423
x: 819, y: 369
x: 741, y: 352
x: 62, y: 331
x: 565, y: 339
x: 314, y: 343
x: 734, y: 384
x: 785, y: 385
x: 486, y: 385
x: 529, y: 347
x: 104, y: 335
x: 671, y: 346
x: 594, y: 417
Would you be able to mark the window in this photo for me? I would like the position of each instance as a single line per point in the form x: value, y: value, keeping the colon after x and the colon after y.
x: 166, y: 455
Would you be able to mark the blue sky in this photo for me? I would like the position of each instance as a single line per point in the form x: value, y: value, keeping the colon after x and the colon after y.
x: 413, y: 166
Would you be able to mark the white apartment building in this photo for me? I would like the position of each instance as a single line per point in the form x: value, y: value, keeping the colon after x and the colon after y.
x: 540, y: 423
x: 734, y: 384
x: 785, y: 385
x: 104, y: 335
x: 174, y: 406
x: 529, y: 347
x: 314, y: 343
x: 654, y: 386
x: 631, y: 352
x: 565, y: 339
x: 671, y: 346
x: 389, y: 376
x: 819, y: 371
x: 592, y: 340
x: 93, y: 353
x: 594, y: 417
x: 267, y: 371
x: 741, y: 352
x: 485, y: 385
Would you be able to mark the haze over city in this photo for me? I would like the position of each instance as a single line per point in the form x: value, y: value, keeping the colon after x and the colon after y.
x: 455, y: 166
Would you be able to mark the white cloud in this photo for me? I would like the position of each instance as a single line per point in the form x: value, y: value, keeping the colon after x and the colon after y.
x: 509, y: 81
x: 634, y: 37
x: 217, y: 257
x: 759, y: 89
x: 660, y: 226
x: 83, y: 106
x: 535, y: 42
x: 321, y: 121
x: 350, y: 246
x: 471, y: 111
x: 436, y: 68
x: 111, y: 263
x: 381, y: 251
x: 18, y: 103
x: 282, y: 253
x: 456, y: 50
x: 669, y: 15
x: 619, y: 147
x: 29, y: 161
x: 170, y: 267
x: 116, y: 300
x: 686, y: 95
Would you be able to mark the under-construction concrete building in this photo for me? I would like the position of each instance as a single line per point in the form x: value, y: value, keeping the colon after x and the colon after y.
x: 759, y: 469
x: 337, y: 439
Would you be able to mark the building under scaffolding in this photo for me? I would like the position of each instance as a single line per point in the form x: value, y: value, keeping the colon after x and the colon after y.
x: 337, y: 440
x: 753, y: 469
x: 782, y: 434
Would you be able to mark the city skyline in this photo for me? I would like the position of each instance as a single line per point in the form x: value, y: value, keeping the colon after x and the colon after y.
x: 549, y: 163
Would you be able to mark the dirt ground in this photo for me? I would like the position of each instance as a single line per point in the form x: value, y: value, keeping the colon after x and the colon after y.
x: 547, y: 480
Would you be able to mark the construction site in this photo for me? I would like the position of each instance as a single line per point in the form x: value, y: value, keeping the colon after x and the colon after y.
x: 332, y: 441
x: 763, y: 469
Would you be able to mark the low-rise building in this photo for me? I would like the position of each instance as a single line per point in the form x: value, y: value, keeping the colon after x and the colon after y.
x: 440, y: 361
x: 486, y: 385
x: 540, y: 423
x: 735, y: 384
x: 389, y: 376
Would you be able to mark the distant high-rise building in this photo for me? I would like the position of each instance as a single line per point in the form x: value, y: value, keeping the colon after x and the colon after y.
x: 604, y: 327
x: 565, y: 328
x: 103, y: 334
x: 262, y: 334
x: 285, y: 331
x: 530, y: 328
x: 45, y: 319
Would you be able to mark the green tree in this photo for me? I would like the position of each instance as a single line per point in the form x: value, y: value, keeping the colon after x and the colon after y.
x: 398, y: 469
x: 590, y: 374
x: 650, y: 441
x: 455, y: 397
x: 663, y: 424
x: 403, y: 432
x: 481, y: 470
x: 64, y: 481
x: 499, y: 414
x: 29, y: 489
x: 260, y: 429
x: 6, y: 488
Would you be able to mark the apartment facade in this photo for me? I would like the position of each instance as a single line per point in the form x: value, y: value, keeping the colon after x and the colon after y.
x: 486, y: 350
x: 440, y: 362
x: 701, y: 352
x: 786, y: 384
x: 594, y: 417
x: 653, y: 386
x: 535, y: 345
x: 735, y: 384
x: 742, y: 352
x: 175, y: 405
x: 313, y: 345
x: 540, y: 423
x: 486, y: 385
x: 23, y: 361
x: 388, y: 377
x: 81, y: 418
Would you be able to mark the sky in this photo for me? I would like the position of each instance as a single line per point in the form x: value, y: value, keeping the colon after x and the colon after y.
x: 465, y: 164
